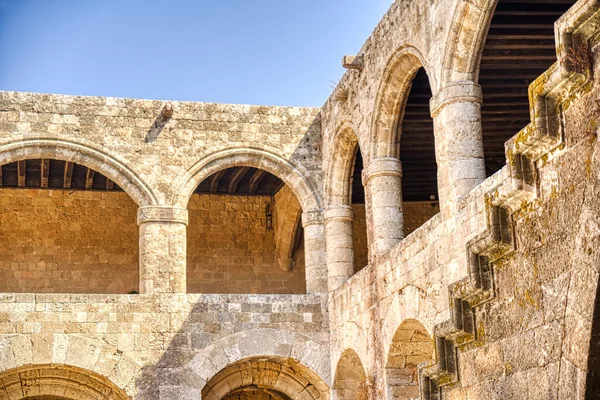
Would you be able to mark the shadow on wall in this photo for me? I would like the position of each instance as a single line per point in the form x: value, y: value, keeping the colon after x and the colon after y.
x: 233, y: 344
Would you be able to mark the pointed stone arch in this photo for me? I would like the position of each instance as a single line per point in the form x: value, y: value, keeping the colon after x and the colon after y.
x: 93, y: 158
x: 58, y: 381
x: 466, y: 39
x: 344, y: 147
x: 390, y: 102
x: 350, y: 381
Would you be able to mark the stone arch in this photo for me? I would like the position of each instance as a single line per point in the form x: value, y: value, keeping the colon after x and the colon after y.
x: 293, y: 176
x: 75, y: 351
x: 466, y: 39
x: 411, y: 345
x: 278, y: 377
x: 350, y: 381
x: 262, y: 343
x: 390, y: 101
x: 59, y: 380
x: 344, y: 147
x: 96, y: 159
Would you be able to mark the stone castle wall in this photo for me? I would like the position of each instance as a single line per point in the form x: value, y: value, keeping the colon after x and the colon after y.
x: 499, y: 285
x: 71, y: 242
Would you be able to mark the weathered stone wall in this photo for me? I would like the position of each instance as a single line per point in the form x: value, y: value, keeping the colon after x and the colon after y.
x: 230, y: 249
x: 503, y: 279
x: 61, y: 241
x: 417, y: 213
x: 162, y: 346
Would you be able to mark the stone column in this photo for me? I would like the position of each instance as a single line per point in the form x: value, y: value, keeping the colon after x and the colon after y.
x: 456, y: 112
x: 383, y: 185
x: 340, y: 247
x: 162, y: 249
x: 314, y: 252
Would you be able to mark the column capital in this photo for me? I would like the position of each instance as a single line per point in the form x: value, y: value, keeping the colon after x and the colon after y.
x: 170, y: 214
x: 459, y: 91
x: 383, y: 166
x: 339, y: 213
x: 313, y: 217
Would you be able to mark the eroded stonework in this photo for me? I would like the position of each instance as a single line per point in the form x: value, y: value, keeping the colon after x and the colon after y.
x: 493, y: 297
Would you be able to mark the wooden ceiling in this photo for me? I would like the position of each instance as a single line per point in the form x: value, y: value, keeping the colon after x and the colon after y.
x: 417, y: 146
x: 241, y: 181
x: 53, y: 174
x: 519, y: 48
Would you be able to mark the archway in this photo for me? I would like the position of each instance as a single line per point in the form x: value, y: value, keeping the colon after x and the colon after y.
x: 292, y: 175
x: 294, y: 189
x: 245, y: 235
x: 410, y: 346
x: 344, y: 188
x: 96, y: 159
x: 350, y: 381
x: 403, y: 134
x: 265, y: 378
x: 66, y: 228
x: 57, y: 382
x: 420, y: 198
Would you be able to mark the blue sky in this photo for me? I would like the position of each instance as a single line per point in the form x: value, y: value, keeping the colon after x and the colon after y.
x: 272, y: 52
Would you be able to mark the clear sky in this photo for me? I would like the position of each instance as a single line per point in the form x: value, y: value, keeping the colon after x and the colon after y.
x: 271, y: 52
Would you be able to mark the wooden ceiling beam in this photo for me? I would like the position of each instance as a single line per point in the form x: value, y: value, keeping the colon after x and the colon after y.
x: 44, y: 172
x: 68, y: 175
x: 21, y: 166
x: 110, y: 185
x: 214, y: 182
x: 493, y: 36
x: 0, y: 176
x: 89, y: 178
x: 255, y: 180
x: 236, y: 178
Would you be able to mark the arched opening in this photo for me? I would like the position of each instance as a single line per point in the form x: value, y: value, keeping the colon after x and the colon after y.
x: 420, y: 200
x: 346, y: 218
x: 350, y: 381
x: 245, y: 235
x: 357, y: 201
x: 403, y: 131
x: 66, y: 228
x: 519, y: 47
x: 265, y: 378
x: 57, y: 382
x: 410, y: 346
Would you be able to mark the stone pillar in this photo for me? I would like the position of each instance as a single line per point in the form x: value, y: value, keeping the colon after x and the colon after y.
x: 383, y: 185
x: 162, y: 249
x: 340, y: 247
x: 314, y: 252
x: 456, y: 112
